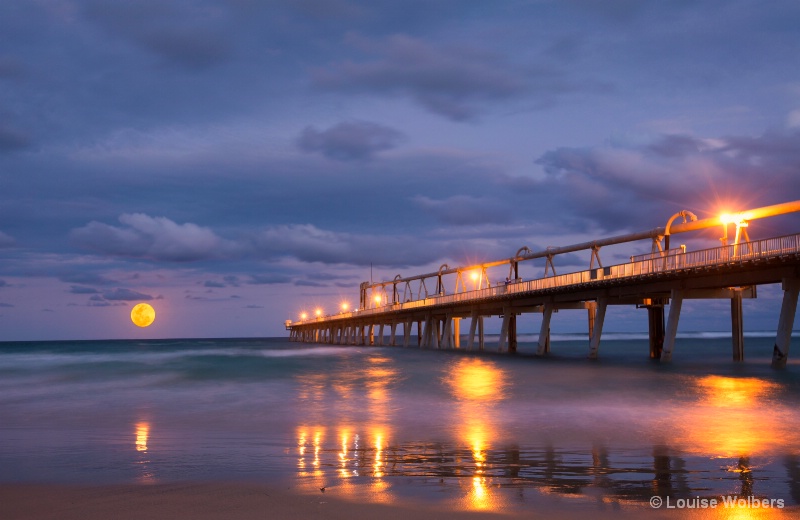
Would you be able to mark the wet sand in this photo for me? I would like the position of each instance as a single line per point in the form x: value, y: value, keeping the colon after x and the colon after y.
x: 245, y: 501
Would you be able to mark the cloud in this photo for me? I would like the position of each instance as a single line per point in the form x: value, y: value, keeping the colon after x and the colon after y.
x: 309, y: 243
x: 793, y: 119
x: 5, y: 304
x: 465, y: 210
x: 155, y: 238
x: 121, y: 294
x: 6, y: 240
x: 307, y: 283
x: 77, y: 289
x: 186, y: 35
x: 86, y: 278
x: 349, y: 141
x: 449, y: 81
x: 268, y: 279
x: 628, y: 182
x: 12, y: 139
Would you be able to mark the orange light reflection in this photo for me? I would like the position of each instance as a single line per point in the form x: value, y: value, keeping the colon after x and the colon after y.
x: 142, y: 434
x: 478, y: 385
x: 736, y: 417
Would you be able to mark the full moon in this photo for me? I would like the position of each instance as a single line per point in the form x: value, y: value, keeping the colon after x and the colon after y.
x: 143, y: 315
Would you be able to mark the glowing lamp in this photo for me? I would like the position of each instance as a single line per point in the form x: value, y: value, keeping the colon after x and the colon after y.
x: 318, y: 312
x: 303, y: 316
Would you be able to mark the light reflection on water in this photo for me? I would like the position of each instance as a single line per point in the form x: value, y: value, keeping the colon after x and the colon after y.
x: 730, y: 419
x: 735, y: 417
x: 480, y: 432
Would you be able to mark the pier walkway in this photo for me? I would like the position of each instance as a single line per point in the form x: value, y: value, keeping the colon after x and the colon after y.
x: 652, y: 281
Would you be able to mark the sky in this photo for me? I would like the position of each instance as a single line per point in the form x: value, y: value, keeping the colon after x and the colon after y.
x: 235, y: 162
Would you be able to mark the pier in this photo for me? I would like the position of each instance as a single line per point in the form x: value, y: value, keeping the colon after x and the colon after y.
x: 664, y: 277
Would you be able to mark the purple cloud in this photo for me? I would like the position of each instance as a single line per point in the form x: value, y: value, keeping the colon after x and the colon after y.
x: 449, y: 81
x: 349, y: 141
x: 156, y: 238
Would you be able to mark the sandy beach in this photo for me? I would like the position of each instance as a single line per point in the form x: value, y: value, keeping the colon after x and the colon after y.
x: 200, y: 501
x: 245, y: 501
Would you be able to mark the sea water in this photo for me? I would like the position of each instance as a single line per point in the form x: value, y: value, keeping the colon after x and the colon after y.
x: 478, y: 429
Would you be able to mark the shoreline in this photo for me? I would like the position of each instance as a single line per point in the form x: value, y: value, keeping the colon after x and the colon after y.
x: 248, y: 500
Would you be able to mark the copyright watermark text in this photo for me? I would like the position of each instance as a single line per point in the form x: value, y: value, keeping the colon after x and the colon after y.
x: 728, y: 502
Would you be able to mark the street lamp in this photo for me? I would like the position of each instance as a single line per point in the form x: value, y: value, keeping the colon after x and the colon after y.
x: 474, y: 275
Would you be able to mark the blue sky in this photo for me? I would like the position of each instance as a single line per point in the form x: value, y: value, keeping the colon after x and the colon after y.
x: 234, y: 162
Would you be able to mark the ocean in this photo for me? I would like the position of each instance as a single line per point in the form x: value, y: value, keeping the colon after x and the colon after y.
x: 475, y: 431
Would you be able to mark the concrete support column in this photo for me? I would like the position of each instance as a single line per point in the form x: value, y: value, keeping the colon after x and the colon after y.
x: 406, y: 333
x: 676, y: 301
x: 791, y: 288
x: 428, y: 332
x: 737, y: 326
x: 512, y: 331
x: 473, y: 324
x: 380, y: 335
x: 393, y: 331
x: 544, y: 331
x: 456, y: 332
x: 504, y: 329
x: 447, y: 332
x: 597, y: 330
x: 481, y: 342
x: 655, y: 326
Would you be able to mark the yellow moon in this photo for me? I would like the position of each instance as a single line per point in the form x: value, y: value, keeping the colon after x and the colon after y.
x: 143, y: 315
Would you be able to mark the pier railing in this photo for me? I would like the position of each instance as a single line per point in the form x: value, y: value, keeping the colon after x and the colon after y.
x: 675, y: 260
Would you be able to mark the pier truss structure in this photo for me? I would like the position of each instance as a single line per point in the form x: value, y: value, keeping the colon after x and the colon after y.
x: 664, y: 277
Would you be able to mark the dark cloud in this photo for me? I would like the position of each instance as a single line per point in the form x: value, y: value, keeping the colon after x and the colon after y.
x: 5, y: 305
x: 11, y: 68
x: 308, y: 283
x: 619, y: 187
x: 86, y: 278
x: 6, y: 240
x: 12, y: 139
x: 466, y: 210
x: 189, y: 35
x: 78, y: 289
x: 348, y: 141
x: 155, y: 238
x: 126, y: 295
x: 450, y: 81
x: 211, y: 283
x: 268, y: 279
x: 98, y: 301
x: 309, y: 243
